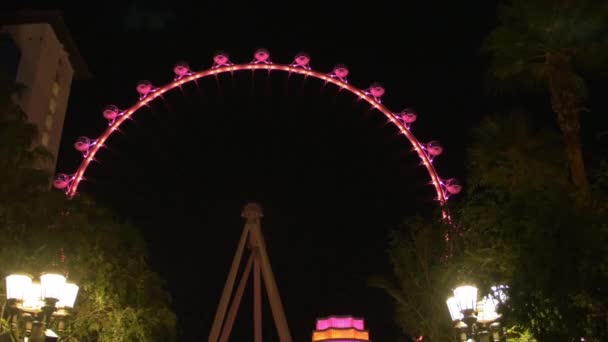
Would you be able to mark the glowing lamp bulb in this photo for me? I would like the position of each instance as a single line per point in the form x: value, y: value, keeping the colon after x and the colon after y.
x: 33, y: 296
x: 486, y: 309
x: 498, y: 292
x: 52, y: 285
x: 68, y: 296
x: 455, y: 313
x: 466, y: 297
x: 17, y: 286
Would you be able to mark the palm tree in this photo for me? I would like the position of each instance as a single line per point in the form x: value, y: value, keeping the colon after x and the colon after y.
x: 553, y: 44
x: 420, y: 281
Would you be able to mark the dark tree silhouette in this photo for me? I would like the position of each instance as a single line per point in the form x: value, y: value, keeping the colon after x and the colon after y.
x: 553, y: 44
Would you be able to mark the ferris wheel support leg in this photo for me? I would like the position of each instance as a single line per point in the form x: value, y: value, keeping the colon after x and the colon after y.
x: 227, y: 292
x: 272, y: 290
x: 238, y: 296
x: 257, y: 298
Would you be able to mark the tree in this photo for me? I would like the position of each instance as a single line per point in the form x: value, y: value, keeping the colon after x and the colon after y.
x: 519, y: 227
x: 519, y: 206
x: 120, y: 298
x: 553, y: 44
x: 420, y: 279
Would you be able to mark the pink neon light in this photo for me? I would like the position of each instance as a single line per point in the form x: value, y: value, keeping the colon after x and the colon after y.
x: 340, y: 322
x: 418, y: 147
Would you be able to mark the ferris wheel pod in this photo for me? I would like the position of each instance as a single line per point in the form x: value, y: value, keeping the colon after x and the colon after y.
x: 220, y: 59
x: 83, y: 144
x: 111, y: 112
x: 408, y: 116
x: 302, y: 59
x: 434, y: 148
x: 340, y: 71
x: 181, y: 69
x: 61, y: 181
x: 144, y: 87
x: 452, y: 186
x: 261, y: 55
x: 376, y: 90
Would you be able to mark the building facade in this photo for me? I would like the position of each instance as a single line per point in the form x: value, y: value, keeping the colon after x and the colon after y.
x: 38, y: 53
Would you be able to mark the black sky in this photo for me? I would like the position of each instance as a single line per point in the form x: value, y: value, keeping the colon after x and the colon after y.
x: 332, y: 177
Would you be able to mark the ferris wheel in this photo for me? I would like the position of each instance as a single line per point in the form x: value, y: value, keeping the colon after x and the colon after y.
x: 338, y: 76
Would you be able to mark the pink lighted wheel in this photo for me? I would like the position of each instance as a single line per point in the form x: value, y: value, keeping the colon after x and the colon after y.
x: 148, y: 93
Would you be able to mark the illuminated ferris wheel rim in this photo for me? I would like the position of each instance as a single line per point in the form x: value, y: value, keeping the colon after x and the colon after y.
x: 148, y: 93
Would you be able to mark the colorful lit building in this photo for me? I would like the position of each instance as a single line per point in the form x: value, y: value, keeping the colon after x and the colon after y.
x: 37, y: 51
x: 340, y: 329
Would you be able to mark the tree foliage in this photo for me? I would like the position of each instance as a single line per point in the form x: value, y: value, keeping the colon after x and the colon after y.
x: 528, y: 32
x: 420, y: 280
x: 120, y: 298
x: 552, y: 252
x: 553, y: 45
x: 520, y: 227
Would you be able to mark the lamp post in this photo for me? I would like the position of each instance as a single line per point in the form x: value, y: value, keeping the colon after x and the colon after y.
x: 476, y: 320
x: 33, y: 306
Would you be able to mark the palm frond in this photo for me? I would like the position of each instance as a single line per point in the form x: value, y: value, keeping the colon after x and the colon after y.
x: 387, y: 285
x: 529, y: 30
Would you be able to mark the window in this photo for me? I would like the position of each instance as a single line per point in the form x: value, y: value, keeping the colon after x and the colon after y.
x: 56, y: 88
x: 48, y: 123
x: 52, y: 105
x: 45, y: 139
x: 10, y: 55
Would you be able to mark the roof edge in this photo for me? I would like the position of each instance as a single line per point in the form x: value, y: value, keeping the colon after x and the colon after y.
x: 55, y: 19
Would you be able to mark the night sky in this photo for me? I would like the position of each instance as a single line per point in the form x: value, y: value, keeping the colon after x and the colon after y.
x: 332, y: 176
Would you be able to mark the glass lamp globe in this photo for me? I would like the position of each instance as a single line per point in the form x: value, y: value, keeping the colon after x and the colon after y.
x: 33, y: 297
x: 455, y: 313
x: 466, y: 297
x: 68, y: 296
x: 17, y: 286
x: 487, y: 310
x: 52, y: 285
x: 499, y: 293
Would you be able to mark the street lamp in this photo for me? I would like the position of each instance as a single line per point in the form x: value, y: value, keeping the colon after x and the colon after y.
x: 476, y: 320
x: 33, y: 306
